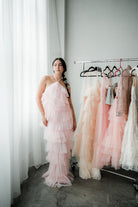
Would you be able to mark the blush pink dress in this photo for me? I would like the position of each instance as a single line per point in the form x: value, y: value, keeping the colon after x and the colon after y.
x: 112, y: 141
x: 58, y: 135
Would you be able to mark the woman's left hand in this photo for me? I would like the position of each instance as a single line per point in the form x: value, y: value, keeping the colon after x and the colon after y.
x: 74, y: 125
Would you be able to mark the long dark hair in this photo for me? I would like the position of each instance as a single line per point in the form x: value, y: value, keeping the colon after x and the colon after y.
x: 63, y: 74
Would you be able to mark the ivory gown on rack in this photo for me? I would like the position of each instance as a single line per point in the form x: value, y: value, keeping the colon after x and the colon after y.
x: 58, y: 135
x: 129, y: 151
x: 101, y: 124
x: 85, y: 133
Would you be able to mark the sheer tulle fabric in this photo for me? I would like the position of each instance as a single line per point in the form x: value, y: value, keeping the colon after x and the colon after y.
x: 129, y: 151
x: 112, y: 141
x: 85, y: 134
x: 77, y: 138
x: 58, y: 135
x: 101, y: 125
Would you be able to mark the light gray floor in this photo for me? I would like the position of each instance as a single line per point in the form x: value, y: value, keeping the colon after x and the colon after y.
x: 110, y: 191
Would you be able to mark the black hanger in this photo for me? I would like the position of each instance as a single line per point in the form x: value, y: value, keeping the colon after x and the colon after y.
x: 109, y: 70
x: 90, y: 69
x: 132, y: 72
x: 112, y: 72
x: 85, y: 71
x: 134, y: 69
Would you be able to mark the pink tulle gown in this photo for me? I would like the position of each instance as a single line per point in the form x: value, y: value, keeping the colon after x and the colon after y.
x: 58, y: 135
x: 112, y: 141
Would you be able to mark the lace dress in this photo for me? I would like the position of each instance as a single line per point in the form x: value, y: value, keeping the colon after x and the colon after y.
x: 129, y: 151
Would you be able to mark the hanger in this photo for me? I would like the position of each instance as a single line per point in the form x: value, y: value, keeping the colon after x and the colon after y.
x: 109, y: 70
x: 99, y: 69
x: 134, y: 69
x: 135, y: 74
x: 118, y: 70
x: 111, y: 73
x: 90, y: 69
x: 85, y: 71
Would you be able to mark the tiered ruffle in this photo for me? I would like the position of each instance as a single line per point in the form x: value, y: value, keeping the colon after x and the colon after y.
x: 85, y: 133
x: 112, y: 142
x: 58, y: 135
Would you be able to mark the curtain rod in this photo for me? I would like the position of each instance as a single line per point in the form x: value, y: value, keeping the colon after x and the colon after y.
x: 106, y: 60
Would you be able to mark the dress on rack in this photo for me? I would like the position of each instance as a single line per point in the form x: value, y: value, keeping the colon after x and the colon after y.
x: 77, y: 138
x: 118, y: 115
x: 124, y: 92
x: 110, y: 94
x: 129, y: 151
x: 101, y: 124
x: 85, y: 133
x: 112, y: 141
x: 58, y: 135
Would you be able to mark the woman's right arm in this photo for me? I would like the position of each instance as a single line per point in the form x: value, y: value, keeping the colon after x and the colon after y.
x: 40, y: 91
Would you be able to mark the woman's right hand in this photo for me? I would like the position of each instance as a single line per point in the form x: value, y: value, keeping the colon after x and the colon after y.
x: 45, y: 121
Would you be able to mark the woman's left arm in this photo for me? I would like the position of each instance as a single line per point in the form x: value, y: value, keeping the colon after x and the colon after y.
x: 73, y: 113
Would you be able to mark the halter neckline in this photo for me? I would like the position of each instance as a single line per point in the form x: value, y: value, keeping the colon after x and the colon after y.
x: 54, y: 84
x: 56, y: 79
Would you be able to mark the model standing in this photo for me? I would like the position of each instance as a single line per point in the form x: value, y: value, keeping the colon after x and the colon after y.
x: 55, y: 105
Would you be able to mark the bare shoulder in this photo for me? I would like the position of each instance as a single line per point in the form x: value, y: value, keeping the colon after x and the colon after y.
x: 46, y: 79
x: 42, y: 85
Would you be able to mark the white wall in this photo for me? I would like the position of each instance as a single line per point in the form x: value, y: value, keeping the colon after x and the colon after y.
x: 98, y: 29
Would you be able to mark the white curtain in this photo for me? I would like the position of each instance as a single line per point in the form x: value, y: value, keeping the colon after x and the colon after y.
x: 56, y: 30
x: 26, y: 49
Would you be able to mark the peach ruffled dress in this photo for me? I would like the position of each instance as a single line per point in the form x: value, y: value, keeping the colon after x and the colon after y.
x: 85, y: 133
x: 58, y: 135
x: 102, y: 123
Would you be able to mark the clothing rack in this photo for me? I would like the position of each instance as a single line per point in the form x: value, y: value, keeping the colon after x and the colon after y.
x: 83, y: 63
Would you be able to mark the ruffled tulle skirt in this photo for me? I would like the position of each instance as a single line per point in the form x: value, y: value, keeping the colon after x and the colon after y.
x: 58, y: 135
x: 112, y: 142
x: 101, y: 127
x: 85, y: 133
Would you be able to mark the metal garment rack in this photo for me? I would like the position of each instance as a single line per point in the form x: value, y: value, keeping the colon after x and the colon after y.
x: 109, y: 61
x: 83, y: 62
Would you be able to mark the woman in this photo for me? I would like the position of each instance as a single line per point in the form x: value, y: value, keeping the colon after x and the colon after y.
x: 54, y: 103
